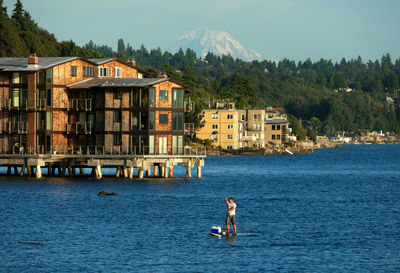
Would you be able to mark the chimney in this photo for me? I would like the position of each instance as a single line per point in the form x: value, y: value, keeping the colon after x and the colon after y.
x: 132, y: 62
x: 33, y: 59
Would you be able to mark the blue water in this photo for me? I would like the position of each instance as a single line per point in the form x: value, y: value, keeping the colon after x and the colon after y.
x: 330, y: 211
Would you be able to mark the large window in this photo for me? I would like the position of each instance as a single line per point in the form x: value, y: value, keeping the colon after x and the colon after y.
x: 49, y: 97
x: 117, y: 139
x: 49, y: 76
x: 139, y: 121
x: 152, y: 96
x: 88, y: 71
x: 163, y: 119
x: 49, y: 120
x: 177, y: 98
x: 118, y: 72
x: 73, y: 71
x: 177, y: 121
x: 117, y: 94
x: 163, y: 95
x: 103, y: 72
x: 214, y: 116
x: 229, y: 116
x: 139, y: 97
x: 117, y: 116
x: 151, y: 121
x: 215, y: 126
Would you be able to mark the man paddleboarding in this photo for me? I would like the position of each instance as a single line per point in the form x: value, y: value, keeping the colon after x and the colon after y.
x: 230, y: 216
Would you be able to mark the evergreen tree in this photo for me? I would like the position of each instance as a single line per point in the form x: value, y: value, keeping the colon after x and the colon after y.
x: 121, y: 47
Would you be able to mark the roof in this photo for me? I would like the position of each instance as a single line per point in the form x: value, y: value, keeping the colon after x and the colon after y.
x: 21, y: 64
x: 116, y: 82
x: 101, y: 61
x: 274, y: 121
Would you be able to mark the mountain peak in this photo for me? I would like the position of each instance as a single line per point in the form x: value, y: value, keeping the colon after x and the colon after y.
x: 203, y: 40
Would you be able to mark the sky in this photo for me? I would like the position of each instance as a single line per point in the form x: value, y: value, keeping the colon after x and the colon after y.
x: 293, y: 29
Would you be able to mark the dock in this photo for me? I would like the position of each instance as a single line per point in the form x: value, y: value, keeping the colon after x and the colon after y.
x: 72, y: 162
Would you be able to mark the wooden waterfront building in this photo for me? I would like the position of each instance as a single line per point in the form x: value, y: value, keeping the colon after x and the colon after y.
x: 58, y: 104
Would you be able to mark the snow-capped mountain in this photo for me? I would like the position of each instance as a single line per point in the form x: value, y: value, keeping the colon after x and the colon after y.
x: 204, y: 40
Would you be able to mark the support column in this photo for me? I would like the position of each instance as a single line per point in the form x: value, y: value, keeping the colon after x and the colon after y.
x: 198, y: 171
x: 8, y: 170
x: 48, y: 169
x: 148, y: 172
x: 99, y: 173
x: 130, y: 172
x: 118, y: 172
x: 125, y: 170
x: 162, y: 171
x: 171, y: 171
x: 166, y: 170
x: 22, y: 170
x: 15, y: 170
x: 63, y: 169
x: 38, y: 172
x: 30, y: 170
x: 141, y: 172
x: 188, y: 171
x: 70, y: 173
x: 155, y: 170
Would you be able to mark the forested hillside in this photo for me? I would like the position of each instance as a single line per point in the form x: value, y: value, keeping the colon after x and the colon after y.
x: 21, y: 36
x: 308, y: 90
x: 305, y: 89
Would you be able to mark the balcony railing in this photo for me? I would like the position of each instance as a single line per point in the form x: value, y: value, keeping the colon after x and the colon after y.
x: 18, y: 127
x: 80, y: 104
x: 93, y: 150
x: 189, y: 105
x: 79, y: 128
x: 17, y: 103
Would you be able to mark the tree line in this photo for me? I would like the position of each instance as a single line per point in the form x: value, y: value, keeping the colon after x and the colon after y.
x: 309, y: 90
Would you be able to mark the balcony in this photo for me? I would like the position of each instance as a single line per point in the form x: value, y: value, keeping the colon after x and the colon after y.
x: 41, y: 103
x: 17, y: 103
x: 80, y: 104
x: 189, y: 105
x: 20, y: 127
x: 79, y: 128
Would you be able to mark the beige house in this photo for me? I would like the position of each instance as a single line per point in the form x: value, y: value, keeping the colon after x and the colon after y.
x: 277, y: 129
x: 253, y: 127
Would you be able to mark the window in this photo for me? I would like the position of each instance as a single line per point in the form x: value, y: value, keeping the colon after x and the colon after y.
x: 163, y: 119
x: 215, y: 126
x: 40, y: 78
x: 230, y: 147
x: 73, y: 70
x: 230, y: 116
x: 103, y: 72
x: 49, y: 120
x: 177, y: 98
x: 163, y: 95
x: 273, y: 137
x: 230, y: 126
x: 117, y: 139
x: 151, y: 121
x: 230, y: 136
x: 202, y: 115
x: 177, y: 121
x: 118, y: 72
x: 117, y: 94
x: 278, y: 137
x: 49, y: 76
x: 273, y: 127
x: 117, y: 116
x: 140, y: 75
x: 243, y: 117
x: 88, y: 71
x: 214, y: 116
x: 255, y: 117
x: 152, y: 97
x: 278, y: 127
x: 49, y: 98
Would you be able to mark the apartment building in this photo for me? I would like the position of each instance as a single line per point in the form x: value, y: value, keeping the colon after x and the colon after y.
x: 277, y: 129
x: 254, y: 128
x: 221, y: 125
x: 53, y: 103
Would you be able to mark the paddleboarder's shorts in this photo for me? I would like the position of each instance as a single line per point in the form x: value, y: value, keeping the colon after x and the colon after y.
x: 230, y: 219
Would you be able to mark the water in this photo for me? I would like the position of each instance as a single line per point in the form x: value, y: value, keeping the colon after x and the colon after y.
x: 331, y: 211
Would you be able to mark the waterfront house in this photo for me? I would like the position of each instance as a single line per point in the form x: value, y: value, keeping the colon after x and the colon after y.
x: 56, y: 104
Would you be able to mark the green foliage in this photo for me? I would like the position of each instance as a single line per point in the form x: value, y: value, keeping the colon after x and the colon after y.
x: 297, y: 128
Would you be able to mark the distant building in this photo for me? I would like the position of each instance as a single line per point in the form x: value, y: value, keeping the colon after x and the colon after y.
x: 233, y: 128
x: 221, y: 125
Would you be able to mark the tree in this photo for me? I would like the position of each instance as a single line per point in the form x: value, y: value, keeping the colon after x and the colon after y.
x: 121, y: 47
x: 3, y: 10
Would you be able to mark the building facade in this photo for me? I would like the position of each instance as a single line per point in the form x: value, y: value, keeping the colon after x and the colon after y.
x: 221, y: 126
x: 57, y: 104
